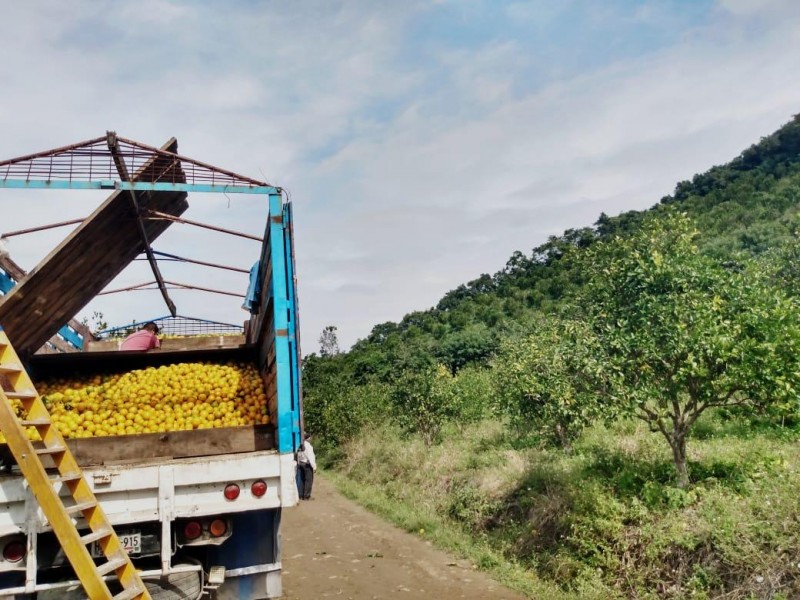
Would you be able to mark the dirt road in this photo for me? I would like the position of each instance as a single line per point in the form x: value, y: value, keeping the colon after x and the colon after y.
x: 333, y: 548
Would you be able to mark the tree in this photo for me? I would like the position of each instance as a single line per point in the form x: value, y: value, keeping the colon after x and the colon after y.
x: 97, y: 324
x: 682, y: 334
x: 549, y: 379
x: 329, y: 342
x: 475, y: 344
x: 424, y: 400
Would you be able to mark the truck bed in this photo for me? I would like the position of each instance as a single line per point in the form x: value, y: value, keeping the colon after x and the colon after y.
x: 121, y: 449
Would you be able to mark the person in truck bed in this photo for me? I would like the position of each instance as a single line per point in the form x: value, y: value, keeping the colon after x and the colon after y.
x: 144, y: 339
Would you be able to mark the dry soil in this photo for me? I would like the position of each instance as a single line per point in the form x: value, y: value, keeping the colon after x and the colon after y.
x: 333, y: 548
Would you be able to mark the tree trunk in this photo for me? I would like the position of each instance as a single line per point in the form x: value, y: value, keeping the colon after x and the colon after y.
x: 677, y: 441
x: 562, y: 435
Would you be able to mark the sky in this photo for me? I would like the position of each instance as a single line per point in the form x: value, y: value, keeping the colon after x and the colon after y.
x: 421, y: 142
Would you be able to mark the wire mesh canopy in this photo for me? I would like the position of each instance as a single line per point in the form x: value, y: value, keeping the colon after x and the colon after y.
x: 94, y: 161
x: 178, y: 325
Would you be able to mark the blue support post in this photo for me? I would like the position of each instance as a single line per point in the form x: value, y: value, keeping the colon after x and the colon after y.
x: 294, y: 349
x: 279, y: 285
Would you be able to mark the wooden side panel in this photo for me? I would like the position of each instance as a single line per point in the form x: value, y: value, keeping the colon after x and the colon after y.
x: 86, y: 262
x: 266, y: 361
x: 175, y: 444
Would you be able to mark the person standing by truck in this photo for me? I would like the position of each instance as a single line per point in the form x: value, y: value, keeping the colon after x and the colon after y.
x: 307, y: 465
x: 144, y: 339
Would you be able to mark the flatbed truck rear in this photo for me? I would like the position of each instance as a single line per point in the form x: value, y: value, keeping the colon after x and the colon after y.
x: 159, y: 489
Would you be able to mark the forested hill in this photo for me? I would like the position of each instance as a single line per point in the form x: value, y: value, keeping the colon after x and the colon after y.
x: 615, y: 414
x: 745, y: 205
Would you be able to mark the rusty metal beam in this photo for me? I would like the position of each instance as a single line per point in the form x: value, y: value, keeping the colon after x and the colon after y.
x: 159, y: 215
x: 142, y: 287
x: 41, y: 228
x: 113, y: 146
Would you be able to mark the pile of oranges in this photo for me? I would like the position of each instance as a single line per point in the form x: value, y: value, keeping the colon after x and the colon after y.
x: 176, y: 397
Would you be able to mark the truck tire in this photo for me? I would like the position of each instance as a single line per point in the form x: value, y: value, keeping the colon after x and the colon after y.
x: 178, y: 586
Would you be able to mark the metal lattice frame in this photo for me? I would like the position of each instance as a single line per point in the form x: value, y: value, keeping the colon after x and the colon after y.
x: 111, y: 162
x: 179, y: 325
x: 91, y: 165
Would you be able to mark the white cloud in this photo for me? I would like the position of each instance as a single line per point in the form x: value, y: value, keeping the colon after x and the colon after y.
x: 414, y: 167
x: 748, y: 8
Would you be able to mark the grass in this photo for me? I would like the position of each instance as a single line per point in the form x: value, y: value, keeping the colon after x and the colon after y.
x: 428, y: 524
x: 606, y: 520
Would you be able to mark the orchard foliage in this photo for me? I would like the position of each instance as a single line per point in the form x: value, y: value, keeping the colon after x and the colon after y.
x: 681, y: 333
x: 686, y: 307
x: 552, y: 380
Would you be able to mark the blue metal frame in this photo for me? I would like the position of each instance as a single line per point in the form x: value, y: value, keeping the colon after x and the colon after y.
x: 282, y: 288
x: 158, y: 186
x: 6, y: 283
x: 294, y: 350
x: 283, y: 307
x: 71, y: 336
x: 157, y: 319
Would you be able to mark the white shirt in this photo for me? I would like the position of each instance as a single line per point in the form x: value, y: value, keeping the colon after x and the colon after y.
x: 312, y: 460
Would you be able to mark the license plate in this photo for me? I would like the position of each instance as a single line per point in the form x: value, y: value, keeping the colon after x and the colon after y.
x: 131, y: 542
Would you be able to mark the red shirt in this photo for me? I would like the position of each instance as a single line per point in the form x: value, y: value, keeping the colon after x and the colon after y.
x: 143, y: 339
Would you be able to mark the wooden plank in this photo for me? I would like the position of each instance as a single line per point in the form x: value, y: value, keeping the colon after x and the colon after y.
x: 67, y: 288
x: 266, y: 339
x: 271, y: 390
x: 264, y: 298
x: 99, y: 251
x: 60, y: 345
x: 270, y: 387
x: 17, y: 273
x: 120, y: 449
x: 13, y: 269
x: 82, y: 329
x: 85, y: 262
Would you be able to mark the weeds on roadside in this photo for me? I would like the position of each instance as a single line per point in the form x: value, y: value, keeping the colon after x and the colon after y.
x: 606, y: 520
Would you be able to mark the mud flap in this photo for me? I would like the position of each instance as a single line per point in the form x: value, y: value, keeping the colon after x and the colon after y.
x: 249, y: 556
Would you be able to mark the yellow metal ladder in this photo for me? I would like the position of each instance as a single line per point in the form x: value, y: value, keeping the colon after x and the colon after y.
x: 44, y: 488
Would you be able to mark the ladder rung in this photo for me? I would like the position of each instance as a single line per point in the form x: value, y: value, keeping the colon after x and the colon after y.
x: 129, y: 594
x: 51, y: 450
x: 56, y: 512
x: 112, y: 565
x: 34, y: 422
x: 65, y: 478
x: 95, y: 536
x: 81, y: 506
x: 21, y: 394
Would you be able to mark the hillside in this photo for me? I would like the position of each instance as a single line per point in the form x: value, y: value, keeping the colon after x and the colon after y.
x: 747, y: 205
x: 606, y: 415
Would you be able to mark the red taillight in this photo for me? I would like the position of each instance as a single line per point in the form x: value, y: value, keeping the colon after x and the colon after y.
x: 231, y: 491
x: 218, y: 527
x: 14, y: 551
x: 259, y: 488
x: 192, y: 530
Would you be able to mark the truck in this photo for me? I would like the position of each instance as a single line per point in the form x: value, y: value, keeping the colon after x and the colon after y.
x: 198, y: 510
